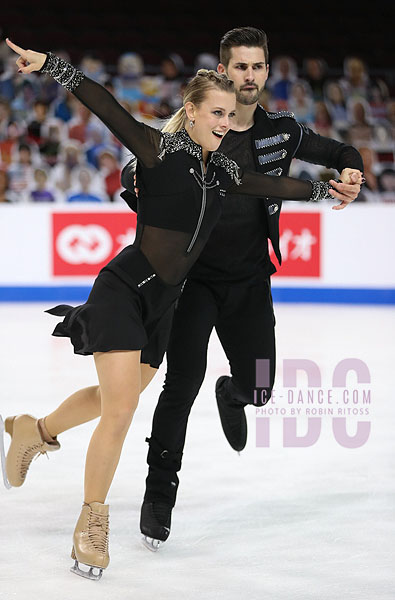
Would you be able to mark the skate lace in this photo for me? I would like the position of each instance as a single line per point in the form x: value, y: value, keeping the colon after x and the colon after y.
x: 27, y: 456
x: 98, y: 531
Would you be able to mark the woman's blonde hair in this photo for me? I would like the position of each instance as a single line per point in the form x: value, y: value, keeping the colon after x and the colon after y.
x: 196, y: 91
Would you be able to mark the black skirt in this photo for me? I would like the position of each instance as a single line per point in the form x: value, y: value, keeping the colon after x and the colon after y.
x: 124, y: 311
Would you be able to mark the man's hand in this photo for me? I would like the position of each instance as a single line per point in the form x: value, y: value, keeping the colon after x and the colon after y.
x: 28, y: 60
x: 348, y: 190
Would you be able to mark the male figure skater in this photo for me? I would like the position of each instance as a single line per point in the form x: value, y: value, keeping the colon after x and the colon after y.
x: 229, y: 286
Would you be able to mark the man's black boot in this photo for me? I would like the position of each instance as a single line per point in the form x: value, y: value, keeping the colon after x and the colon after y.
x: 231, y: 412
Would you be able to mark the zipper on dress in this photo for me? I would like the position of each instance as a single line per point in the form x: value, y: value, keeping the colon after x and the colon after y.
x: 202, y: 210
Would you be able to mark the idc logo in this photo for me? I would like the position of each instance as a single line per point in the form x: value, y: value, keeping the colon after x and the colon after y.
x: 83, y: 243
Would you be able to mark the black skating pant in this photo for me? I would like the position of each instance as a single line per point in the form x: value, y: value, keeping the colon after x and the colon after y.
x: 244, y: 321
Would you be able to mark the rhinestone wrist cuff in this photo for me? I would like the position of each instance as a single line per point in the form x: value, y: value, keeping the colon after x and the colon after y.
x: 64, y: 73
x: 320, y: 191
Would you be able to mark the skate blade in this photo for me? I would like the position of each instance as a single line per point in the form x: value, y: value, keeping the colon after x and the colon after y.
x: 151, y: 543
x: 87, y: 574
x: 2, y: 455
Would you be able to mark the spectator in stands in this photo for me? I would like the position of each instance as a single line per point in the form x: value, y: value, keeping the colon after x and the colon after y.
x: 5, y: 194
x: 65, y: 173
x: 336, y: 104
x: 172, y: 76
x: 205, y: 60
x: 111, y: 171
x: 355, y: 81
x: 9, y: 145
x: 84, y: 193
x: 40, y: 192
x: 150, y: 98
x: 21, y: 172
x: 323, y: 121
x: 391, y: 116
x: 371, y: 168
x: 93, y: 67
x: 34, y: 125
x: 63, y: 107
x: 25, y: 96
x: 378, y: 98
x: 360, y: 129
x: 94, y: 146
x: 284, y: 74
x: 301, y: 102
x: 79, y: 124
x: 8, y: 83
x: 130, y: 69
x: 386, y: 183
x: 5, y: 118
x: 315, y: 73
x: 54, y: 133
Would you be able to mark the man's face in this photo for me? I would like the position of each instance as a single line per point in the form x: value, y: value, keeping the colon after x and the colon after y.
x: 248, y: 70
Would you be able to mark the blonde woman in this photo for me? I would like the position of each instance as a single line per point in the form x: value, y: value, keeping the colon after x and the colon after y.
x: 124, y: 323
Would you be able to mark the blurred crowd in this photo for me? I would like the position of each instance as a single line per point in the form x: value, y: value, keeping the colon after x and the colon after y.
x: 52, y: 149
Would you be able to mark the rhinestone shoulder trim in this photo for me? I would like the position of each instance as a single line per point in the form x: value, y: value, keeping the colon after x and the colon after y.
x: 180, y: 140
x: 281, y: 113
x: 230, y: 166
x: 63, y: 72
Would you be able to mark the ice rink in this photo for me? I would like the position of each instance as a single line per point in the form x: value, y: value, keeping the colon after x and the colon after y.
x: 282, y: 523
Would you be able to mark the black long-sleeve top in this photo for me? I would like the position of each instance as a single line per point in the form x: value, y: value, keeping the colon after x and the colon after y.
x: 180, y: 197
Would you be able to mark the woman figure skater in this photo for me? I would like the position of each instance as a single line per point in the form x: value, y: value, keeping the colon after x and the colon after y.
x: 124, y: 322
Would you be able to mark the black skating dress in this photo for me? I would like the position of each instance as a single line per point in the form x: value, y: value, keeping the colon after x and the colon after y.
x: 133, y: 297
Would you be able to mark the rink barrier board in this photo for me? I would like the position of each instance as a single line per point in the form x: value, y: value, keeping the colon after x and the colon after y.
x: 52, y: 254
x: 79, y: 294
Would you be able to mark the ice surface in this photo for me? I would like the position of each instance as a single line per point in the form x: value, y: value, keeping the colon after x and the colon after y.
x: 314, y: 523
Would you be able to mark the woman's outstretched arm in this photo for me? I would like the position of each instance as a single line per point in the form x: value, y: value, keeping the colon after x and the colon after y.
x: 285, y: 188
x: 142, y: 140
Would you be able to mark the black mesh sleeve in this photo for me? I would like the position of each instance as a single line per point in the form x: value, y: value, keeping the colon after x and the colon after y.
x: 283, y: 188
x: 319, y: 150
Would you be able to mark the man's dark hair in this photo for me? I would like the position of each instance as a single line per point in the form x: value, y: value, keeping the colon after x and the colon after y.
x: 242, y: 36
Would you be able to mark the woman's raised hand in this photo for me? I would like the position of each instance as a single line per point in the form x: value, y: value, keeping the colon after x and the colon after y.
x: 28, y: 60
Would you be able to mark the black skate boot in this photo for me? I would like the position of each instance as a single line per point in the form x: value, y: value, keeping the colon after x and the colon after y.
x: 231, y: 412
x: 155, y: 523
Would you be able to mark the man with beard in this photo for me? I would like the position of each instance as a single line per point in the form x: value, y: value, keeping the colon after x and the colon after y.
x: 229, y: 286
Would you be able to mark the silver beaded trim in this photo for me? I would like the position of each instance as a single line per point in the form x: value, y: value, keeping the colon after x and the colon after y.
x: 272, y: 141
x: 230, y: 166
x: 180, y: 140
x: 281, y: 113
x: 64, y: 73
x: 146, y: 280
x: 276, y: 172
x: 320, y: 191
x: 263, y: 159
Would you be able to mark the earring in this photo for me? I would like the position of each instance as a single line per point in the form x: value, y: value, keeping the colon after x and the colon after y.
x: 191, y: 124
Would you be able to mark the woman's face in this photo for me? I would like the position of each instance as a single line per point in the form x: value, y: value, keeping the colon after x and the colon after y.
x: 212, y: 118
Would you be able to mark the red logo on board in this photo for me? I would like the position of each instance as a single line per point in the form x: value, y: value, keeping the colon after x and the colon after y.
x: 82, y: 243
x: 300, y: 245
